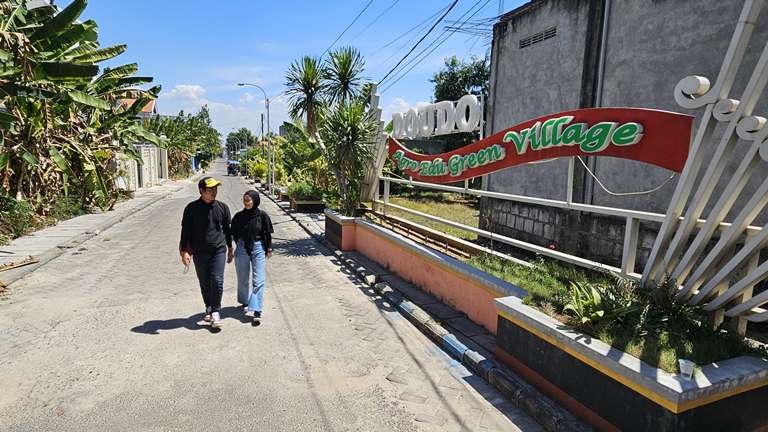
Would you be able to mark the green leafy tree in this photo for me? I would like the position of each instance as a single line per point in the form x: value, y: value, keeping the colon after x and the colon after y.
x: 457, y: 79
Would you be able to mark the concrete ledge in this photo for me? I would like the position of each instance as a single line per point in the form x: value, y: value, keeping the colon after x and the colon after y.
x: 492, y: 282
x: 567, y: 365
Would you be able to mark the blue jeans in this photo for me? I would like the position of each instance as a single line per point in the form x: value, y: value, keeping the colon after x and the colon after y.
x: 210, y: 273
x: 250, y: 269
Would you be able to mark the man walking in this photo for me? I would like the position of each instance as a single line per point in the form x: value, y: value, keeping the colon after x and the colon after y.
x: 206, y: 239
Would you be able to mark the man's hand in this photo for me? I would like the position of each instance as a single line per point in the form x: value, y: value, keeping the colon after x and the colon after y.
x: 269, y: 253
x: 230, y: 255
x: 185, y: 258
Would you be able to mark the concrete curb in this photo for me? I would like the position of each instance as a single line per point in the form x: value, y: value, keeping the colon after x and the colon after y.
x: 53, y: 253
x: 548, y: 414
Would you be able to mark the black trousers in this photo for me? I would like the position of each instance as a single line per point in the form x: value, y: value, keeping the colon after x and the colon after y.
x: 210, y: 273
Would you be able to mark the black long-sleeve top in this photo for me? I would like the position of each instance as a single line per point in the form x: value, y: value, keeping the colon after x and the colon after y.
x: 261, y: 228
x: 205, y: 227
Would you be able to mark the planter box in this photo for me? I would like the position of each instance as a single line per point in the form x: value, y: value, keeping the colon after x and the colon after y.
x: 613, y: 390
x: 340, y: 230
x: 307, y: 205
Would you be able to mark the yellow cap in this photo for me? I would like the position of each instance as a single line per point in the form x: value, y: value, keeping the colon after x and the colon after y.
x: 209, y: 182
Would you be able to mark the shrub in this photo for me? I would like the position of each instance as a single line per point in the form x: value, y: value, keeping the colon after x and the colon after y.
x: 16, y: 217
x: 304, y: 190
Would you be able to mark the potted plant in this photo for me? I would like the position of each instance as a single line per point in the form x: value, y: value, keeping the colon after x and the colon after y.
x: 305, y: 197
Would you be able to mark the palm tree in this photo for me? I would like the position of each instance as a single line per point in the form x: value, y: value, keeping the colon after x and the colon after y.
x: 343, y: 76
x: 305, y: 87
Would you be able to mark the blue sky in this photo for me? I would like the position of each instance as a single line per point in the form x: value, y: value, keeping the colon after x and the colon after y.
x: 199, y: 50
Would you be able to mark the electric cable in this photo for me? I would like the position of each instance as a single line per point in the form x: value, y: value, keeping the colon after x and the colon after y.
x: 421, y: 40
x: 624, y: 193
x: 447, y: 36
x: 419, y: 25
x: 345, y: 30
x: 422, y: 25
x: 375, y: 19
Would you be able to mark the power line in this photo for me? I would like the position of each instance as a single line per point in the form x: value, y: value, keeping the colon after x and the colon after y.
x: 419, y: 25
x: 407, y: 42
x: 420, y: 40
x: 447, y: 36
x: 376, y: 19
x: 345, y: 30
x: 420, y: 56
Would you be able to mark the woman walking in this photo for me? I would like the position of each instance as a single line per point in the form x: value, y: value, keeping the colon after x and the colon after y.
x: 252, y: 230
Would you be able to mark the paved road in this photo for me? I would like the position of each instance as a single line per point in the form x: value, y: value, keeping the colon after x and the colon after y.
x: 105, y: 338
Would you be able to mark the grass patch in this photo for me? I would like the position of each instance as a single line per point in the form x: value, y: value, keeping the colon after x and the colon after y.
x: 451, y: 206
x: 18, y: 218
x: 647, y: 324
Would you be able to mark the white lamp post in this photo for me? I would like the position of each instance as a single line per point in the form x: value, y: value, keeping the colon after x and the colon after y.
x: 271, y: 157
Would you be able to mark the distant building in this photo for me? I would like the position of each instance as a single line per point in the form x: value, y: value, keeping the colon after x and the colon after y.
x: 154, y: 166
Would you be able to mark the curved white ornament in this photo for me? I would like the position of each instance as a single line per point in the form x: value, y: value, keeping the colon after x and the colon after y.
x: 464, y: 123
x: 693, y: 92
x: 749, y: 128
x: 725, y: 109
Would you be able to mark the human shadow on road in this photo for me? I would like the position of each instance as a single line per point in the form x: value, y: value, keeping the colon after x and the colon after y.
x: 154, y: 327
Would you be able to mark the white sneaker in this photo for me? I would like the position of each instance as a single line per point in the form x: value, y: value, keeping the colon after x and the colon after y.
x: 248, y: 312
x: 216, y: 321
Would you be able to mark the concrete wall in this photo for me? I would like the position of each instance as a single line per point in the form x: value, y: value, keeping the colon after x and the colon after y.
x: 650, y: 46
x: 532, y: 81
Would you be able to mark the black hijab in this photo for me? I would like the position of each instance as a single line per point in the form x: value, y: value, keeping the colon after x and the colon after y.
x: 252, y: 225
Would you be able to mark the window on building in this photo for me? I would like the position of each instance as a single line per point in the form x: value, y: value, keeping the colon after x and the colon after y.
x: 538, y: 37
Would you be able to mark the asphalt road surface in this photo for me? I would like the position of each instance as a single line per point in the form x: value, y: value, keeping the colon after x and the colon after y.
x: 105, y: 338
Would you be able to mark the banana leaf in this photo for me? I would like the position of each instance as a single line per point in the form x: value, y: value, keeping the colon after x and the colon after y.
x: 100, y: 55
x: 55, y: 71
x: 60, y: 21
x: 88, y: 100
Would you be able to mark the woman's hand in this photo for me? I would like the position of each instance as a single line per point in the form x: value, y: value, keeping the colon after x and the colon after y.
x: 269, y: 253
x: 230, y: 255
x: 185, y: 258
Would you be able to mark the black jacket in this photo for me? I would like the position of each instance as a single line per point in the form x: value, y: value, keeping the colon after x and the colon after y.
x: 205, y: 227
x: 262, y: 228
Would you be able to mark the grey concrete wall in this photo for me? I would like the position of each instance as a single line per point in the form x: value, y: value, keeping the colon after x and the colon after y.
x: 532, y: 81
x: 651, y: 45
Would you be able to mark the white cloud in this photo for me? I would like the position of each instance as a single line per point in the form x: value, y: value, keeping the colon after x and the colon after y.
x: 246, y: 97
x: 185, y: 91
x: 399, y: 105
x: 225, y: 116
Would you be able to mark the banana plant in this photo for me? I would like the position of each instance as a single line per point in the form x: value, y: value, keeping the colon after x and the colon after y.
x: 61, y: 123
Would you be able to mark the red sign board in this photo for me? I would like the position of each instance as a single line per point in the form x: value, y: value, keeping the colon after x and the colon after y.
x: 660, y: 138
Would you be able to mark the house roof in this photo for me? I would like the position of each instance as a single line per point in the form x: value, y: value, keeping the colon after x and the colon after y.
x: 149, y: 108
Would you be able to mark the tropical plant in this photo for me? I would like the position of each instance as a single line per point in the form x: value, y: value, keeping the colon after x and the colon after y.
x: 304, y: 190
x: 348, y: 134
x: 62, y: 125
x: 343, y: 75
x: 305, y: 88
x: 592, y: 303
